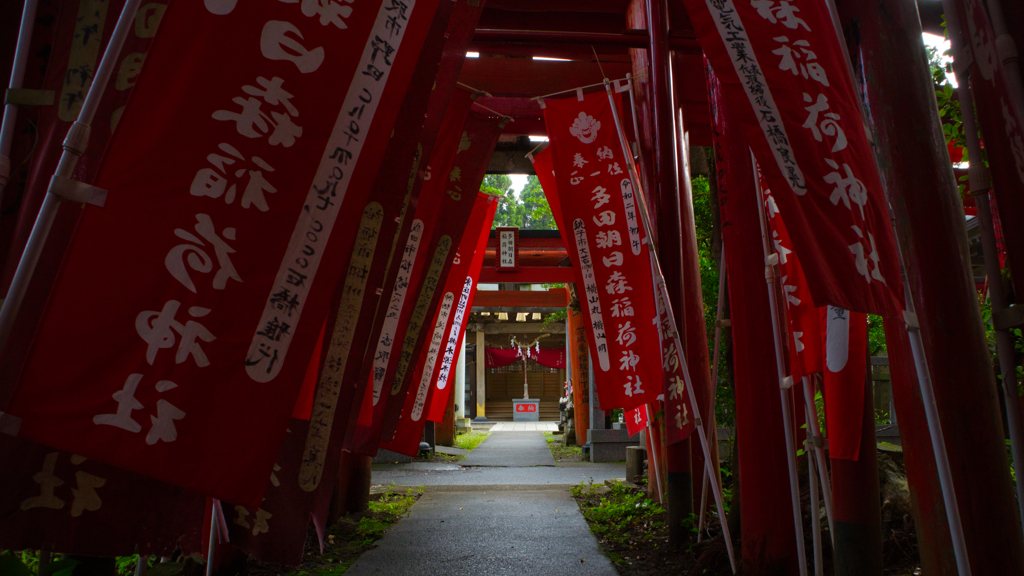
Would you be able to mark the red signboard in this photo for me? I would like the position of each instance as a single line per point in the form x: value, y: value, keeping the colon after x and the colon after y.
x: 183, y: 340
x: 526, y: 407
x: 606, y: 243
x: 782, y: 69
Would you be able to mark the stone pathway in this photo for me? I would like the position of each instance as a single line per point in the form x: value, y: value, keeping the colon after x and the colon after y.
x: 488, y: 531
x: 511, y: 449
x: 505, y: 510
x: 525, y: 427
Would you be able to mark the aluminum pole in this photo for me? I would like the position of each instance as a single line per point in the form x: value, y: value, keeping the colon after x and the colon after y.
x: 28, y: 17
x: 785, y: 382
x: 75, y: 145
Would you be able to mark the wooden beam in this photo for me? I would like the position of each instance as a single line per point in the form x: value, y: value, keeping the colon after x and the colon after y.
x: 521, y: 298
x: 530, y: 258
x: 524, y: 328
x: 529, y: 275
x: 522, y: 77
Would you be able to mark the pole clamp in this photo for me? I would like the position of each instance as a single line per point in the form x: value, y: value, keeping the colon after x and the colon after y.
x: 723, y: 323
x: 910, y: 319
x: 816, y: 441
x: 771, y: 260
x: 1008, y: 318
x: 961, y: 63
x: 786, y: 383
x: 77, y: 139
x: 1006, y: 48
x: 9, y: 424
x: 5, y: 170
x: 78, y: 191
x: 980, y: 179
x: 29, y: 97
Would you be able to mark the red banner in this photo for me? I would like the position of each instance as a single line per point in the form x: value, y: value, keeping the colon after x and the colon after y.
x: 784, y: 72
x: 637, y: 419
x: 195, y: 342
x: 68, y: 40
x: 607, y: 249
x: 276, y: 530
x: 450, y: 192
x: 63, y: 502
x: 1001, y: 124
x: 544, y: 167
x: 845, y: 335
x: 453, y: 308
x: 805, y: 352
x: 445, y: 373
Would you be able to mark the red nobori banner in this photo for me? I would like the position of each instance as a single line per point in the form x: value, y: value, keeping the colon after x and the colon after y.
x: 225, y: 223
x: 445, y: 378
x: 845, y: 335
x: 804, y: 318
x: 1001, y: 124
x: 446, y: 204
x: 783, y: 70
x: 605, y: 240
x: 66, y: 503
x: 637, y: 419
x: 680, y: 418
x: 451, y: 311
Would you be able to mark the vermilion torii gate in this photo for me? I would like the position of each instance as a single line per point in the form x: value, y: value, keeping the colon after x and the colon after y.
x: 657, y: 44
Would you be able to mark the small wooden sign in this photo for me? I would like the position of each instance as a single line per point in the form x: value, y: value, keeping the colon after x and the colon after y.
x: 508, y: 249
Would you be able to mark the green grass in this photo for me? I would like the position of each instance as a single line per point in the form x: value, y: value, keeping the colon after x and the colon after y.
x: 560, y: 451
x: 471, y: 440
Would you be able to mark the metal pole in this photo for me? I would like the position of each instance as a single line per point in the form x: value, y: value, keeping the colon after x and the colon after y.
x: 819, y: 452
x: 914, y: 335
x: 1007, y: 50
x: 652, y: 456
x: 673, y: 330
x: 141, y: 565
x: 980, y: 185
x: 28, y: 16
x: 714, y: 377
x: 74, y: 146
x: 812, y: 481
x: 785, y: 382
x: 212, y: 546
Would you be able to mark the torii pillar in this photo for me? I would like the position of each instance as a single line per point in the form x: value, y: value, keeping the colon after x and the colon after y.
x: 889, y: 58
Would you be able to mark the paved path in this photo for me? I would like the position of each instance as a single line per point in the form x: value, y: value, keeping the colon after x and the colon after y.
x: 503, y: 510
x: 525, y: 427
x: 488, y: 532
x: 511, y: 449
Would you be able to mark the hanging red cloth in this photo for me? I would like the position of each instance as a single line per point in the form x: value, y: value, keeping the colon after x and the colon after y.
x: 498, y: 357
x: 549, y: 358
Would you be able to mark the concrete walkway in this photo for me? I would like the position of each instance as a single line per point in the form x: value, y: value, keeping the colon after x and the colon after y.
x: 525, y: 427
x: 511, y: 449
x: 490, y: 532
x: 503, y: 510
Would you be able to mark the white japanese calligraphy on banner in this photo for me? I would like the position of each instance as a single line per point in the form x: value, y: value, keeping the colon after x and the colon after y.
x: 436, y: 339
x: 453, y: 338
x: 401, y: 290
x: 317, y: 218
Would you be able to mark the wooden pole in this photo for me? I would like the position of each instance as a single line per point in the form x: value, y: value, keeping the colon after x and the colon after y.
x: 885, y: 44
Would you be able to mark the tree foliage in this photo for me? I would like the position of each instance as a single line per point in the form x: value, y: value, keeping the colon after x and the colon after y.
x: 528, y: 210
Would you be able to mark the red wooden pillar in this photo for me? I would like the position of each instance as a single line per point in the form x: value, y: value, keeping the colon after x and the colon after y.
x: 886, y: 48
x: 679, y: 489
x: 857, y: 540
x: 769, y: 543
x: 695, y: 336
x: 933, y: 538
